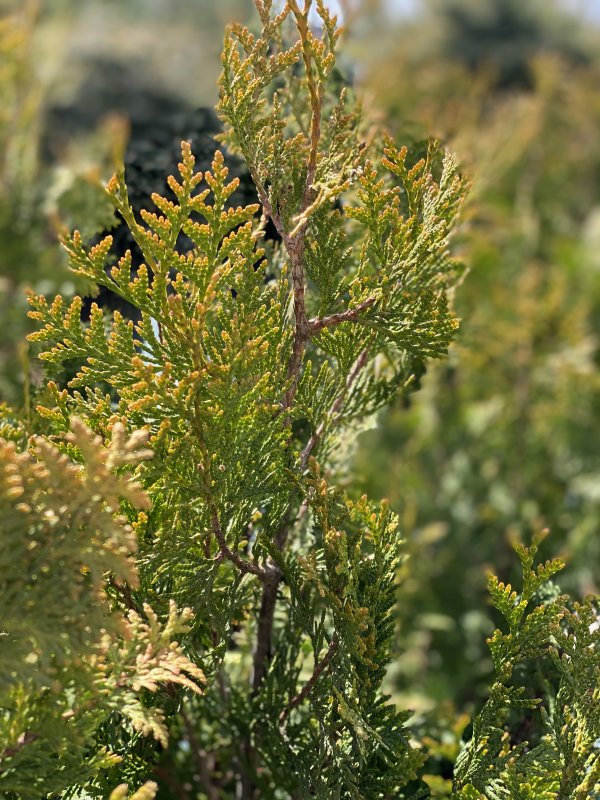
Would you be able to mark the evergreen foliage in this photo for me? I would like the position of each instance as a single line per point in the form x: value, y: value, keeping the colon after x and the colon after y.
x: 194, y: 592
x: 248, y: 368
x: 71, y: 663
x: 550, y: 649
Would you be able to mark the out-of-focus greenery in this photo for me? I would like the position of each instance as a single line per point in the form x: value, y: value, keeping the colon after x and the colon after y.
x: 176, y: 43
x: 505, y: 437
x: 506, y: 35
x: 37, y: 198
x: 24, y: 252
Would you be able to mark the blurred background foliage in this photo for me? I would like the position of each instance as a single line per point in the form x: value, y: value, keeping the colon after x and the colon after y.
x: 501, y: 439
x: 504, y: 437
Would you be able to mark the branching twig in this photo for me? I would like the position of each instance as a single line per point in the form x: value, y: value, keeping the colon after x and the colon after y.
x: 294, y: 245
x: 317, y: 324
x: 268, y: 209
x: 335, y: 408
x: 24, y: 739
x: 247, y: 567
x: 320, y: 667
x: 316, y: 91
x: 262, y: 652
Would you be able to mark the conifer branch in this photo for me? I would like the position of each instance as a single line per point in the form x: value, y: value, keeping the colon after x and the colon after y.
x: 295, y: 244
x: 317, y: 324
x: 264, y: 634
x: 247, y: 567
x: 268, y: 209
x: 335, y: 408
x: 295, y: 248
x: 320, y: 667
x: 263, y: 648
x: 316, y: 92
x: 217, y: 391
x: 24, y: 739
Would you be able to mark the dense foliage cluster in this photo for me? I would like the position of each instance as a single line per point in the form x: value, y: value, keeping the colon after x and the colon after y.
x: 194, y: 592
x: 547, y: 663
x: 73, y: 666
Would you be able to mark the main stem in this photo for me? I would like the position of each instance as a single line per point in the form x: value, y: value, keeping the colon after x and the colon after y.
x: 272, y: 579
x: 294, y: 244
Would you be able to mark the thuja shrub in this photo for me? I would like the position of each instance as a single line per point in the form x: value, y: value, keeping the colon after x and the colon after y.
x: 250, y: 368
x: 250, y: 371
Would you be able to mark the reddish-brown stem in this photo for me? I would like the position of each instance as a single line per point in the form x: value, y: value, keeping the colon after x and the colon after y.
x: 320, y: 667
x: 23, y: 740
x: 294, y: 245
x: 263, y: 651
x: 247, y: 567
x: 317, y: 324
x: 335, y: 408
